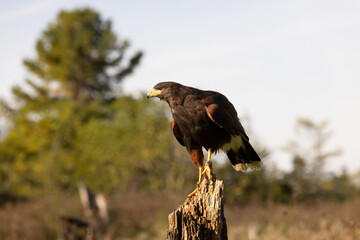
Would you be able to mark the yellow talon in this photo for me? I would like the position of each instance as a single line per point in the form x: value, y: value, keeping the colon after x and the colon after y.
x: 198, y: 184
x: 193, y: 193
x: 207, y: 170
x: 208, y: 166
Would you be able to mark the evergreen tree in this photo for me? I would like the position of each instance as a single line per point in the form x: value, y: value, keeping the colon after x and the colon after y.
x: 80, y: 57
x: 65, y: 115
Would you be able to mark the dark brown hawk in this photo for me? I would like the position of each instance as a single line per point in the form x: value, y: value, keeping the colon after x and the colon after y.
x: 206, y: 119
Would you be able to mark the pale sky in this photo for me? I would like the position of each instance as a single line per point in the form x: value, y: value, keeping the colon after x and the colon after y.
x: 274, y: 60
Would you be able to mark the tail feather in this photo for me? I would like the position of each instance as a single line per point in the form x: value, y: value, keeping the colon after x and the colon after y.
x: 244, y: 158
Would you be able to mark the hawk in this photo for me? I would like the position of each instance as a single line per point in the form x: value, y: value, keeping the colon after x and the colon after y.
x: 206, y: 119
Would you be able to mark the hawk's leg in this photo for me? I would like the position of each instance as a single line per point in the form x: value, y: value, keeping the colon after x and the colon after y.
x: 200, y: 175
x: 208, y: 167
x: 207, y: 170
x: 197, y: 184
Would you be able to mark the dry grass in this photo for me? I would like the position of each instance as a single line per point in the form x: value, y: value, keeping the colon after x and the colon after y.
x: 321, y: 220
x: 38, y: 219
x: 140, y: 216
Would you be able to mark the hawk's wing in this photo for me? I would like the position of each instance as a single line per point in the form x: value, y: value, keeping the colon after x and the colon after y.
x: 223, y: 113
x: 176, y: 131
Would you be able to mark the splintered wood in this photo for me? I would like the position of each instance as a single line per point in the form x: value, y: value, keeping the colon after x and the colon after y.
x: 202, y: 216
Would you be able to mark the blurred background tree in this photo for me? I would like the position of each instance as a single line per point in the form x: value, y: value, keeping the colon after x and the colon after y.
x: 71, y: 123
x: 310, y: 151
x: 311, y: 145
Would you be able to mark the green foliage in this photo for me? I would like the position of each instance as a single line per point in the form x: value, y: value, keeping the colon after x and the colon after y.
x: 119, y: 144
x: 256, y: 186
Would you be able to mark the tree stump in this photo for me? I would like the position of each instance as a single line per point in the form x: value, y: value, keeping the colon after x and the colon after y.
x: 202, y: 216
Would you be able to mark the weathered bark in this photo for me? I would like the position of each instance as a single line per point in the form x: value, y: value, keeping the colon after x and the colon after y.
x: 202, y: 216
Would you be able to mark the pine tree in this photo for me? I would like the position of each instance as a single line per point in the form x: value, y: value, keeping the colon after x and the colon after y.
x: 79, y: 62
x: 80, y: 57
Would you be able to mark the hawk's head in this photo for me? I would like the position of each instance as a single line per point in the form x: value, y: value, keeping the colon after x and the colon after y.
x: 164, y: 90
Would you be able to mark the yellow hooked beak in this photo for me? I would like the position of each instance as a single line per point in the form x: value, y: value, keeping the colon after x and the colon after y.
x: 153, y: 93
